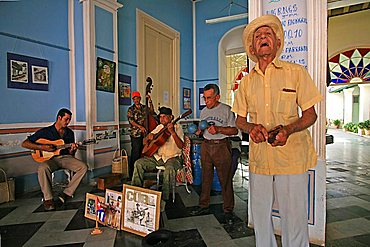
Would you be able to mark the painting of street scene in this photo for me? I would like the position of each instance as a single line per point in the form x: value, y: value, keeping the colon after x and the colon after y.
x: 40, y: 75
x: 19, y: 71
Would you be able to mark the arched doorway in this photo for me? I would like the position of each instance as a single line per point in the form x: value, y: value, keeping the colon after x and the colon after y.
x: 232, y: 59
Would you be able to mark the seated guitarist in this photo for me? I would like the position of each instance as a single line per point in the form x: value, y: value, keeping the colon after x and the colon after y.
x: 65, y: 160
x: 167, y: 155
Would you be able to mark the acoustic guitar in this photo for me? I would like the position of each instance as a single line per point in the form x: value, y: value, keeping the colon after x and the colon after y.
x: 41, y: 156
x: 160, y: 138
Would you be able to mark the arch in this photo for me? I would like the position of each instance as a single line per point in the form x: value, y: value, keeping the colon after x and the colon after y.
x: 230, y: 43
x: 351, y: 66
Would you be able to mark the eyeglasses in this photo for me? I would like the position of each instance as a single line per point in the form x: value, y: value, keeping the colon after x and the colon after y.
x: 209, y: 97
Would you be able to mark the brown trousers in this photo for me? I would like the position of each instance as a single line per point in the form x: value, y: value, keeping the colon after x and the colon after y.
x: 217, y: 155
x: 46, y: 169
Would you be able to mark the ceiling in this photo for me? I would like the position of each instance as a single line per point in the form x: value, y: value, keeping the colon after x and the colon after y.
x: 341, y: 7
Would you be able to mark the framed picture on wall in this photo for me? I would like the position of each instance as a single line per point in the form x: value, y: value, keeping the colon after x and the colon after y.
x: 124, y: 87
x: 202, y: 102
x: 141, y: 210
x: 39, y: 74
x: 19, y: 71
x: 186, y: 98
x: 105, y: 75
x: 26, y: 72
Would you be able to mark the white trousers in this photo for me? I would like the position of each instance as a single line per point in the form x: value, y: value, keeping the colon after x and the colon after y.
x: 291, y: 192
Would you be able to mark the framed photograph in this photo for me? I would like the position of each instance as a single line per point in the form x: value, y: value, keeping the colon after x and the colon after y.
x: 105, y: 75
x: 141, y: 210
x: 186, y: 98
x: 95, y: 207
x: 26, y: 72
x: 19, y: 71
x: 124, y: 87
x: 40, y: 74
x: 202, y: 102
x: 113, y: 200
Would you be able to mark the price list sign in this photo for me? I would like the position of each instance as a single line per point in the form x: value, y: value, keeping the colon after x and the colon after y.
x: 293, y: 16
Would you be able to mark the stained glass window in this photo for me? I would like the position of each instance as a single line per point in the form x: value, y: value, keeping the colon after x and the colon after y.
x: 351, y: 66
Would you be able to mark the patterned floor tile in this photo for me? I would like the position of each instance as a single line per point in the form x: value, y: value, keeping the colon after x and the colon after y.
x: 346, y: 213
x: 18, y: 235
x: 5, y: 211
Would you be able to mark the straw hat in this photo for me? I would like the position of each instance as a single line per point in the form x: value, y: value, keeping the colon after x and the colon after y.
x: 265, y: 20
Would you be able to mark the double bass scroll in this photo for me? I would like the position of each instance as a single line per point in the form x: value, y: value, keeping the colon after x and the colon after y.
x: 150, y: 121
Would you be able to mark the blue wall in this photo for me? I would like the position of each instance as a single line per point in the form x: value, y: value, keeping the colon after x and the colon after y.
x: 35, y: 28
x: 209, y: 35
x: 104, y: 49
x: 80, y: 114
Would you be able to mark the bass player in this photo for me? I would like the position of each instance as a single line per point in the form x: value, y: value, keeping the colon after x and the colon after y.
x: 167, y: 155
x: 65, y: 159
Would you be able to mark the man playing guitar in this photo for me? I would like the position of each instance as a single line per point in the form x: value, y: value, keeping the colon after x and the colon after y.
x: 65, y: 159
x: 167, y: 155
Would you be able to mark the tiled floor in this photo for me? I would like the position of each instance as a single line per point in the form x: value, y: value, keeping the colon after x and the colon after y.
x: 24, y: 222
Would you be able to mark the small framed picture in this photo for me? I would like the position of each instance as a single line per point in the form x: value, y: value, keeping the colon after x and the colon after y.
x: 40, y: 75
x: 202, y: 102
x: 113, y: 200
x: 186, y: 98
x: 141, y: 210
x: 95, y: 208
x: 19, y: 71
x: 124, y: 87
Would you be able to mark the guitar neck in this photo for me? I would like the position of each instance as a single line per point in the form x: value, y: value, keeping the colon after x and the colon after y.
x: 68, y: 145
x: 165, y: 127
x: 64, y: 146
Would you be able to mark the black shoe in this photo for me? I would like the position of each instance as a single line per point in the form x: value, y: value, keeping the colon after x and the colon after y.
x: 229, y: 218
x: 64, y: 197
x: 199, y: 211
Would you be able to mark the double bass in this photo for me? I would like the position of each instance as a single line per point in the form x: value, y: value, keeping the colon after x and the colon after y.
x: 160, y: 138
x: 150, y: 121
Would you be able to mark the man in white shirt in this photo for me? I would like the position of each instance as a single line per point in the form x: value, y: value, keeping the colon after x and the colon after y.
x: 167, y: 155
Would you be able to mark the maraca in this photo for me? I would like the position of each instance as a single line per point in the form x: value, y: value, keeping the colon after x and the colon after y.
x: 203, y: 124
x: 192, y: 128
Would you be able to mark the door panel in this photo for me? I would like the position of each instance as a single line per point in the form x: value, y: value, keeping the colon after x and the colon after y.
x: 165, y: 75
x: 151, y: 59
x: 158, y: 50
x: 158, y: 65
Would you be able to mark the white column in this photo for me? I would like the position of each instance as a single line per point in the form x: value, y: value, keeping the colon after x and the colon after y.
x: 364, y: 102
x: 348, y: 102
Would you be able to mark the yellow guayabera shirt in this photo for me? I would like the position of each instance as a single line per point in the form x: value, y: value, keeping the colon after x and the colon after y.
x: 274, y: 98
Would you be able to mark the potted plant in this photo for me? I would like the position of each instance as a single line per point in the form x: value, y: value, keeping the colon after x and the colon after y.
x: 367, y: 127
x: 351, y: 127
x: 336, y: 123
x: 361, y: 128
